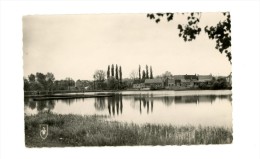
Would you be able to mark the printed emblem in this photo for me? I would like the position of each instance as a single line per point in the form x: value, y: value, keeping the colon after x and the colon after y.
x: 43, y: 131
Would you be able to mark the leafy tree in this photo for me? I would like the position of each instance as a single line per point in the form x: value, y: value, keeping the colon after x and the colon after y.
x: 41, y: 79
x: 111, y: 83
x: 31, y: 78
x: 49, y: 80
x: 221, y: 33
x: 99, y: 78
x: 133, y: 75
x: 167, y: 74
x: 112, y: 70
x: 99, y: 75
x: 116, y: 72
x: 68, y: 83
x: 147, y: 72
x: 26, y: 85
x: 151, y: 72
x: 36, y: 86
x: 108, y: 71
x: 220, y: 83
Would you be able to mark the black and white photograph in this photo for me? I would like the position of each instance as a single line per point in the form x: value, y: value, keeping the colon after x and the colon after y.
x: 127, y: 79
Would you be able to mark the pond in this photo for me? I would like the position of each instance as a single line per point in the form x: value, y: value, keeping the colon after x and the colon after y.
x: 205, y: 108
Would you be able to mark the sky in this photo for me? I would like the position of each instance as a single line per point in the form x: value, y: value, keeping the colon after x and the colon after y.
x: 76, y: 46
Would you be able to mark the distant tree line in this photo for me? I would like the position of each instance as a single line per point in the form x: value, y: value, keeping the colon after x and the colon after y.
x: 46, y: 82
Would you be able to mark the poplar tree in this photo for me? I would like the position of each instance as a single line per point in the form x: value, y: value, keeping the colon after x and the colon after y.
x: 120, y: 74
x: 147, y: 73
x: 151, y: 72
x: 116, y: 72
x: 108, y: 71
x: 112, y: 70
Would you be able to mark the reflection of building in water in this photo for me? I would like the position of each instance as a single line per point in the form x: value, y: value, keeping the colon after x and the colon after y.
x: 195, y: 99
x: 115, y: 104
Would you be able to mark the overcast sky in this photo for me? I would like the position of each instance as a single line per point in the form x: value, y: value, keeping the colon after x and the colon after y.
x: 77, y: 45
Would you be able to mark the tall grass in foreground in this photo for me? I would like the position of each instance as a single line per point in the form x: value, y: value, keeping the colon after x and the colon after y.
x: 75, y: 130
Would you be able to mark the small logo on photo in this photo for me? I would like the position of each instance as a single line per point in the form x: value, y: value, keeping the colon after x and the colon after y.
x: 43, y: 131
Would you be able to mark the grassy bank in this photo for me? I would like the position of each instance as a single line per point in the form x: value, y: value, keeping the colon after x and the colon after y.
x: 75, y: 130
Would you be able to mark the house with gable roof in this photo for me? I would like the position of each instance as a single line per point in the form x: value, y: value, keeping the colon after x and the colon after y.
x: 156, y: 83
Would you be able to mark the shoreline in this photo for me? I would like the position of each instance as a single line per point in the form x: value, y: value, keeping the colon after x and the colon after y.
x: 67, y: 95
x: 94, y: 130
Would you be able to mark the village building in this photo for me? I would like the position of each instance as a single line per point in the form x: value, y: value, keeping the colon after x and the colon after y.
x: 156, y: 83
x: 182, y: 81
x: 206, y: 79
x: 138, y: 85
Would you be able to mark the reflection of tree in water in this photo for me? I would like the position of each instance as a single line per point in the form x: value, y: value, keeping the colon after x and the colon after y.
x: 121, y: 104
x: 29, y: 102
x: 115, y: 104
x: 167, y: 100
x: 99, y: 103
x: 45, y: 105
x: 207, y: 99
x: 186, y: 99
x: 26, y: 101
x: 145, y: 102
x: 32, y: 104
x: 68, y: 101
x: 147, y: 107
x: 228, y: 97
x: 51, y: 104
x: 41, y: 105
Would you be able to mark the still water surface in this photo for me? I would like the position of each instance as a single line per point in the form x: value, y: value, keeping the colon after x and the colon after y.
x: 206, y: 108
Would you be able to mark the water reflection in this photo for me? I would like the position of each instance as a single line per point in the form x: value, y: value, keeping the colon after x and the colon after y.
x: 99, y: 104
x: 115, y: 104
x: 68, y: 101
x: 144, y: 107
x: 41, y: 106
x: 145, y: 103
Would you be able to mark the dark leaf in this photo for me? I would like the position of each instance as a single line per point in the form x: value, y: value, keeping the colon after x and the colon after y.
x: 160, y: 14
x: 170, y: 17
x: 157, y: 20
x: 152, y: 16
x: 179, y: 26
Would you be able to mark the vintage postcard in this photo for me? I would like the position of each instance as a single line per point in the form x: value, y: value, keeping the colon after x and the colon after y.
x: 127, y: 79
